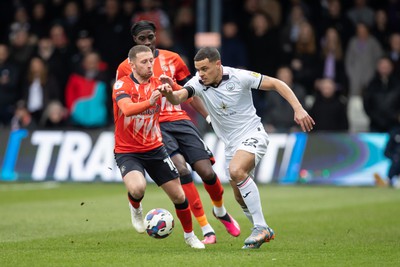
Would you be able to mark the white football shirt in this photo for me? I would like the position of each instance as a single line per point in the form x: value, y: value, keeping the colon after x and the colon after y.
x: 230, y: 104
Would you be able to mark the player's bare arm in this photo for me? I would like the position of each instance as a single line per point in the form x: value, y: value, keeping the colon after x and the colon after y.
x: 174, y: 97
x: 301, y: 116
x: 129, y: 108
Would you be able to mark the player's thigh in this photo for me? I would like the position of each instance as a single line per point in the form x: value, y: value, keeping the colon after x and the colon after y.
x: 249, y: 152
x: 132, y: 172
x: 241, y: 164
x: 135, y: 181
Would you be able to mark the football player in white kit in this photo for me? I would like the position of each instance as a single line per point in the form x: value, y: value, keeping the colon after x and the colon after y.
x: 226, y: 93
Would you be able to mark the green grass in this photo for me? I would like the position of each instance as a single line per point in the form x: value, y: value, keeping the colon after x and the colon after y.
x: 89, y: 225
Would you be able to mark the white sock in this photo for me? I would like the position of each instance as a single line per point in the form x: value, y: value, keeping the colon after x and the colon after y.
x: 251, y: 197
x: 220, y: 211
x: 187, y: 235
x: 248, y: 214
x: 207, y: 229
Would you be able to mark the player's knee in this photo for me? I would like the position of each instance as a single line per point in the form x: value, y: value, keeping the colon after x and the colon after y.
x: 237, y: 174
x: 137, y: 192
x: 178, y: 198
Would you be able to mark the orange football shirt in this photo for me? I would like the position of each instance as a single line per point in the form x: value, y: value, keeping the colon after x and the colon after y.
x: 138, y: 133
x: 171, y: 64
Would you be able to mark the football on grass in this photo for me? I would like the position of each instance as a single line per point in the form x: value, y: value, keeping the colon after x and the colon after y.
x: 159, y: 223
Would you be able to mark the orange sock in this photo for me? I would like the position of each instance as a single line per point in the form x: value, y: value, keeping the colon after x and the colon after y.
x: 215, y: 191
x: 185, y: 217
x: 196, y: 206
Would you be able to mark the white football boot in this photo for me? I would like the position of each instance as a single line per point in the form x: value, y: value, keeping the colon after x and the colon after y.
x: 137, y: 219
x: 194, y: 242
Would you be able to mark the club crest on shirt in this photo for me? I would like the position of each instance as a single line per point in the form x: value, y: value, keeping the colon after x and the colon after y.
x: 164, y: 68
x: 230, y: 86
x: 118, y: 84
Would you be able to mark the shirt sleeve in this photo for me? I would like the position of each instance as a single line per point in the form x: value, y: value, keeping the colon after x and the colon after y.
x: 251, y: 79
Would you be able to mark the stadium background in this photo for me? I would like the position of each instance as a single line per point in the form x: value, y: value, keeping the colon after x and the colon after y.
x: 34, y: 147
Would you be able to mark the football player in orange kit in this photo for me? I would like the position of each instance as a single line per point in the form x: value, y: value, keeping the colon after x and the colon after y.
x: 181, y: 138
x: 138, y: 140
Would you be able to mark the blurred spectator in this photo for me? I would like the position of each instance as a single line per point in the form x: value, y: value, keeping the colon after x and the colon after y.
x: 329, y: 109
x: 20, y: 23
x: 72, y: 20
x: 40, y: 22
x: 84, y: 46
x: 394, y: 53
x: 112, y: 35
x: 184, y: 29
x: 263, y: 53
x: 361, y: 13
x: 151, y: 10
x: 39, y: 89
x: 21, y: 50
x: 381, y: 98
x: 62, y: 51
x: 274, y: 9
x: 90, y: 13
x: 249, y: 9
x: 361, y: 56
x: 290, y: 32
x: 9, y: 91
x: 54, y: 116
x: 304, y: 61
x: 380, y: 29
x: 233, y: 50
x: 335, y: 18
x: 279, y: 116
x: 22, y: 118
x: 87, y: 95
x: 331, y: 62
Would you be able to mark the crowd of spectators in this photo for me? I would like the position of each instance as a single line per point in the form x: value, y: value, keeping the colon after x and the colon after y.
x: 341, y: 58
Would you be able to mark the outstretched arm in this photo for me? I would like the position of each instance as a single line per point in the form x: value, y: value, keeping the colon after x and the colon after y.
x: 301, y: 116
x: 174, y: 97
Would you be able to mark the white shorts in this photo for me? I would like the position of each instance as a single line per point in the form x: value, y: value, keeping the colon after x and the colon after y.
x: 255, y: 143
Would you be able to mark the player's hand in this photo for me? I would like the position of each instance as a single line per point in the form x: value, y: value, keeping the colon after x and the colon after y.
x: 302, y: 118
x: 155, y: 95
x: 165, y: 89
x: 166, y: 79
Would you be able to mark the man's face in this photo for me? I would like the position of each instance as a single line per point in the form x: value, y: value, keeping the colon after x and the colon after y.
x: 210, y: 72
x: 143, y: 65
x: 147, y: 38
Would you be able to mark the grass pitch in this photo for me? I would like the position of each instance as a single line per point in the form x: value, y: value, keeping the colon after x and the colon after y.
x: 50, y: 224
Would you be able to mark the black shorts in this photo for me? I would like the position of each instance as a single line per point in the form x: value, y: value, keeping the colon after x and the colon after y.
x: 184, y: 138
x: 156, y: 162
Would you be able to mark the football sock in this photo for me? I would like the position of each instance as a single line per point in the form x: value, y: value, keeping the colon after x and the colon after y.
x: 187, y: 235
x: 134, y: 202
x: 247, y: 213
x: 185, y: 217
x: 207, y: 229
x: 215, y: 190
x: 251, y: 197
x: 194, y: 201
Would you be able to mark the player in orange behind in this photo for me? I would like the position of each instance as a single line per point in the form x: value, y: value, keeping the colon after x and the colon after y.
x: 181, y: 138
x: 138, y: 141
